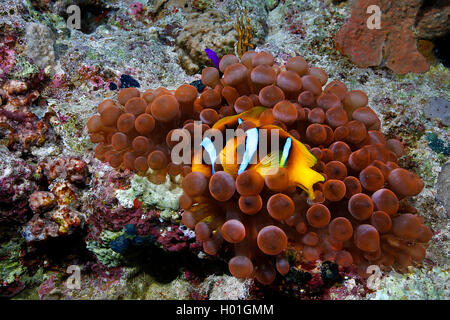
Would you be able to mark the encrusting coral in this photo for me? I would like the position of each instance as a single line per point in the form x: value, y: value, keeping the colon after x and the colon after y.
x: 354, y: 210
x: 56, y: 212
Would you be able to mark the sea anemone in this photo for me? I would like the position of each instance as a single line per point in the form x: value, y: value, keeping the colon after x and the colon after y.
x: 352, y: 217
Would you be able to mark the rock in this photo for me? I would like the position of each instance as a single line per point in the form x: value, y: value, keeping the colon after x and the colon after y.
x: 271, y: 4
x: 438, y: 108
x: 18, y: 123
x: 16, y: 185
x: 204, y: 30
x: 393, y: 45
x: 39, y: 229
x: 15, y: 87
x: 442, y: 187
x: 72, y: 169
x: 433, y: 21
x: 41, y: 201
x: 64, y: 193
x: 215, y: 29
x: 40, y: 45
x: 67, y: 219
x: 52, y: 224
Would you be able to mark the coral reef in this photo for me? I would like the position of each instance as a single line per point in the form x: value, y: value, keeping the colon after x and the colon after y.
x: 17, y: 98
x: 419, y: 284
x: 163, y: 196
x: 432, y: 20
x: 443, y: 183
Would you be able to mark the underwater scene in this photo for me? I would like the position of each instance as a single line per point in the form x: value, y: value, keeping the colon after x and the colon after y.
x: 224, y: 150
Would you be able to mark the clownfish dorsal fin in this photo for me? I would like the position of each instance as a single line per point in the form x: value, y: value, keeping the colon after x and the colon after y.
x: 252, y: 114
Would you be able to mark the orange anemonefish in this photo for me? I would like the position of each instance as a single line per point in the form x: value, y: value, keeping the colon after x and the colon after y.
x: 294, y: 155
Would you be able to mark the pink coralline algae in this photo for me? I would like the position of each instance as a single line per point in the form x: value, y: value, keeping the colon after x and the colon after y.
x: 107, y: 214
x: 58, y: 81
x: 7, y: 62
x: 394, y: 44
x: 136, y: 8
x: 104, y: 217
x: 48, y: 285
x: 174, y: 238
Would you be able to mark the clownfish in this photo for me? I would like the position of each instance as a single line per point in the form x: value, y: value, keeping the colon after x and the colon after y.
x: 294, y: 156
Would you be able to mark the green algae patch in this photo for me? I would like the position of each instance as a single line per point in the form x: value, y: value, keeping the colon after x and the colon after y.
x: 10, y: 265
x: 103, y: 252
x: 163, y: 196
x: 25, y: 69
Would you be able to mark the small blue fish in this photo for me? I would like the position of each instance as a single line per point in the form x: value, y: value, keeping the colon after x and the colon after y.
x: 213, y: 57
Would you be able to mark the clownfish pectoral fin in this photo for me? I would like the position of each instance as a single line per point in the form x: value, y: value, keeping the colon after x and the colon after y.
x: 211, y: 150
x: 269, y: 164
x: 251, y: 145
x: 298, y: 153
